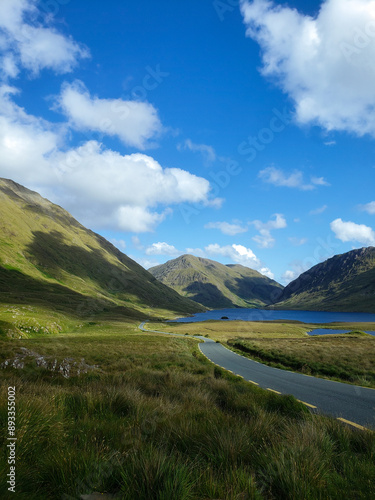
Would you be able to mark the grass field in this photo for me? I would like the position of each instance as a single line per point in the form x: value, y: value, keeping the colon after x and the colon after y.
x: 225, y: 330
x: 146, y: 416
x: 343, y: 358
x: 348, y: 358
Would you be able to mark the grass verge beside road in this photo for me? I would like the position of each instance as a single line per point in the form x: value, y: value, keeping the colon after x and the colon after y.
x: 148, y: 417
x: 346, y: 358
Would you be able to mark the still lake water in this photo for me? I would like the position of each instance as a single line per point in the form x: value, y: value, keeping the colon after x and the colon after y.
x: 327, y: 331
x: 269, y: 315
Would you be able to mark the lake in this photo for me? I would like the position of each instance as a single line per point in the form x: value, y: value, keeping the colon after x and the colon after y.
x: 270, y: 314
x: 327, y: 331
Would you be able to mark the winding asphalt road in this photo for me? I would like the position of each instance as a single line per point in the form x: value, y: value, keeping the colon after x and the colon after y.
x: 352, y: 404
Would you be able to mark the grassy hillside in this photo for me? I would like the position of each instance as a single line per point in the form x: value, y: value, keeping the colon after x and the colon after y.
x: 50, y: 262
x: 215, y: 285
x: 343, y: 283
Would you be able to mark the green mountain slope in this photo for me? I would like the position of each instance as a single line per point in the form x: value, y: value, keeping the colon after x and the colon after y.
x: 215, y: 285
x: 49, y: 260
x: 343, y: 283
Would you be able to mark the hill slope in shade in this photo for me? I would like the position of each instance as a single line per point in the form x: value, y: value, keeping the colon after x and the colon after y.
x: 343, y: 283
x: 49, y: 260
x: 217, y: 285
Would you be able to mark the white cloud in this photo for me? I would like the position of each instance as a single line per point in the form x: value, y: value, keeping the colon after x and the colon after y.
x: 237, y: 254
x: 215, y: 203
x: 138, y: 219
x: 135, y: 123
x: 99, y: 186
x: 319, y: 181
x: 198, y: 252
x: 319, y: 210
x: 144, y: 262
x: 206, y: 151
x: 25, y: 141
x: 162, y: 248
x: 324, y: 63
x: 109, y: 177
x: 369, y: 208
x: 330, y: 143
x: 227, y: 228
x: 264, y: 238
x: 349, y: 231
x: 240, y: 255
x: 277, y: 177
x: 8, y: 65
x: 30, y: 45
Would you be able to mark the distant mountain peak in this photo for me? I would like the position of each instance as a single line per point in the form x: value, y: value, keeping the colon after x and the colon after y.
x: 343, y: 282
x: 216, y: 285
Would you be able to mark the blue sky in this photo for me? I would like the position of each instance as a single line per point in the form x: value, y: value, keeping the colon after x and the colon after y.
x: 234, y: 130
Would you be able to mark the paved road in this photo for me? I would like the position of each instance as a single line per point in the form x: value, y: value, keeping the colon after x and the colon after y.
x: 349, y: 402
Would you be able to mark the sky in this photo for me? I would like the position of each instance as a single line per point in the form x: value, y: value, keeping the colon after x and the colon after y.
x: 239, y: 131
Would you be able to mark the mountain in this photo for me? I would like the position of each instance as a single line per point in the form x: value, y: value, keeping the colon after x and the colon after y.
x: 343, y: 283
x: 217, y: 285
x: 49, y: 260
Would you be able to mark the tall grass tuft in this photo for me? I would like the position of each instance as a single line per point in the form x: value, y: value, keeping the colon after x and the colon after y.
x: 159, y: 423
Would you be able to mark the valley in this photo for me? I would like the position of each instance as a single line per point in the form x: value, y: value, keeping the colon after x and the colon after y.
x: 134, y: 413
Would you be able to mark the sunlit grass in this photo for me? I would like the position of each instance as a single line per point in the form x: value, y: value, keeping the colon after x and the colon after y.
x: 346, y: 358
x: 156, y: 420
x: 224, y: 330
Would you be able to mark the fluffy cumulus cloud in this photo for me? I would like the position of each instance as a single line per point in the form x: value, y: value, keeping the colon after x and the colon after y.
x: 26, y: 43
x: 144, y: 262
x: 240, y: 255
x: 227, y: 228
x: 279, y: 178
x: 100, y: 186
x: 136, y: 219
x: 26, y: 142
x: 198, y: 252
x: 108, y: 177
x: 265, y: 239
x: 133, y: 122
x: 324, y: 63
x: 162, y: 248
x: 349, y: 231
x: 125, y: 188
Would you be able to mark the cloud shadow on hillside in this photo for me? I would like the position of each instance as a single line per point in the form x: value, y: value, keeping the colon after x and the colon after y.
x: 18, y: 288
x: 121, y: 279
